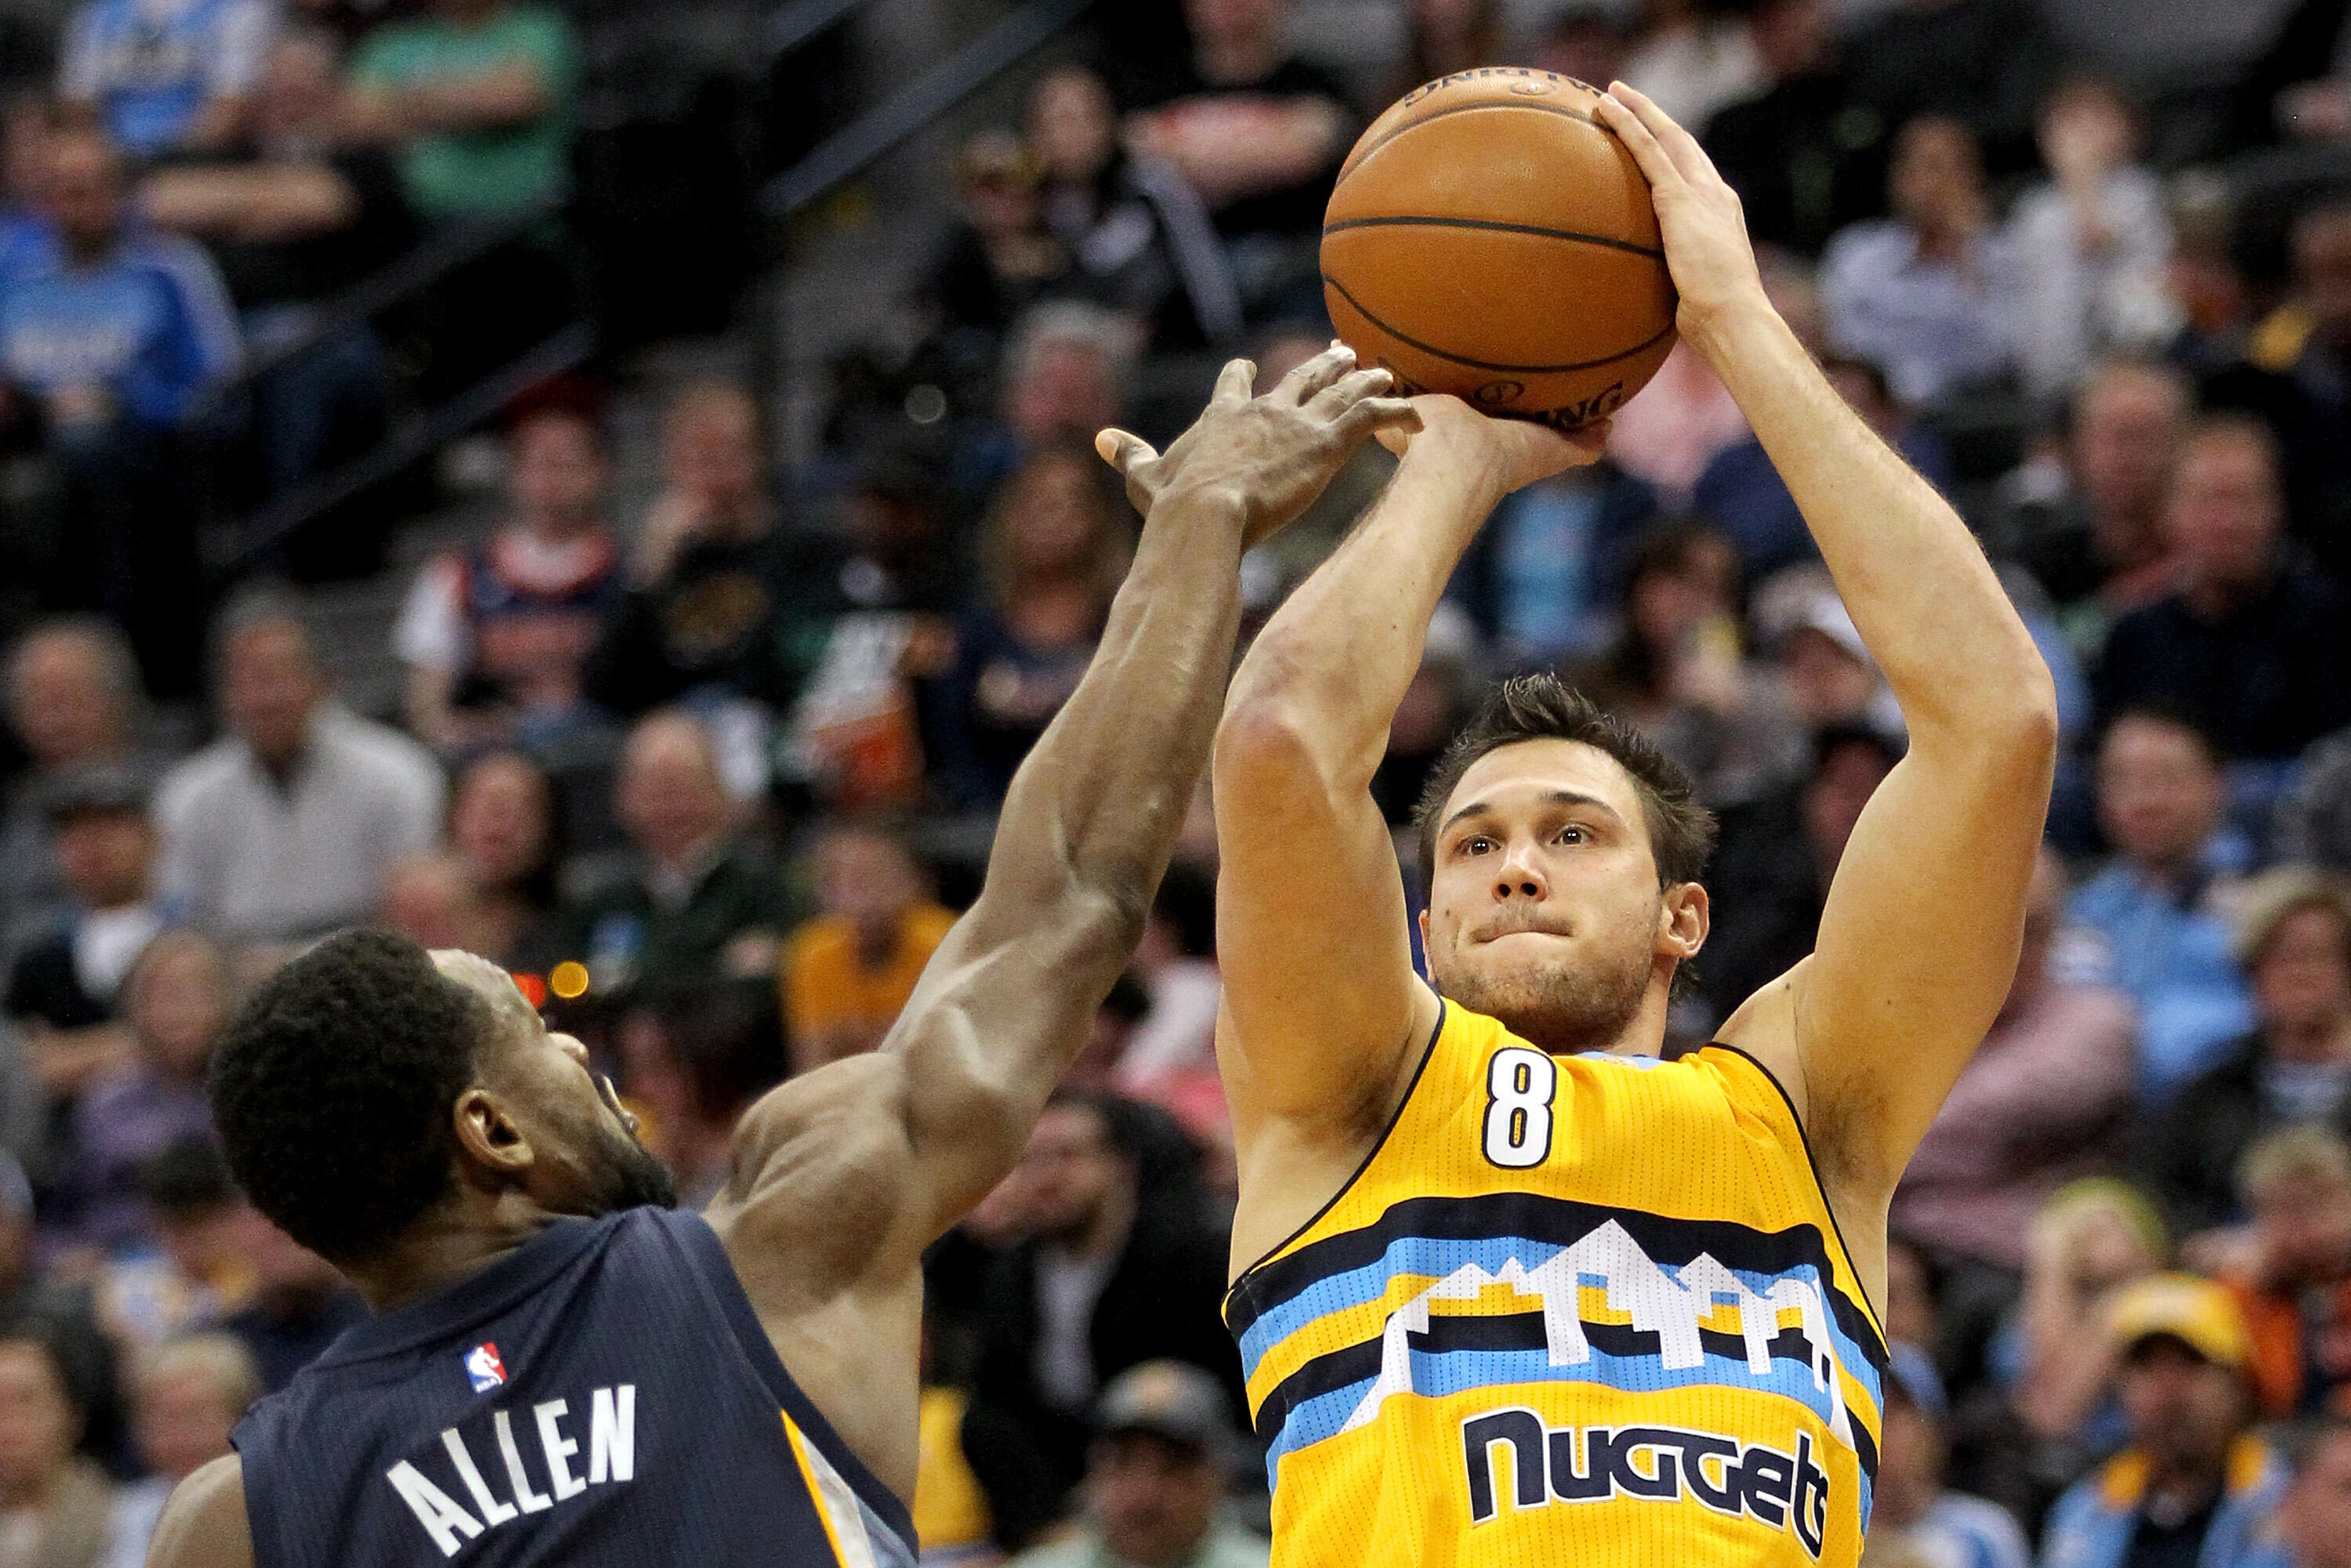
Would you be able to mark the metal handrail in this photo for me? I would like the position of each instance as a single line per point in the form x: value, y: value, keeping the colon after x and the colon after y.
x: 414, y: 438
x: 411, y: 273
x: 790, y: 25
x: 844, y: 154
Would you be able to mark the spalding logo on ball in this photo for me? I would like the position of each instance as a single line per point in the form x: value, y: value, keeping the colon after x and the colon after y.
x: 1488, y: 237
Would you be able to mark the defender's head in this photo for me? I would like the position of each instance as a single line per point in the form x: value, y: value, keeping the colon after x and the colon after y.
x: 370, y: 1084
x: 1562, y: 852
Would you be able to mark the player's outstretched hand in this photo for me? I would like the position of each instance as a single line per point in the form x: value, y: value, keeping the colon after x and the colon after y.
x: 1513, y: 453
x: 1707, y: 248
x: 1274, y: 453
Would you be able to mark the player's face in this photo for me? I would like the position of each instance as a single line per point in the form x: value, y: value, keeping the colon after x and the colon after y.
x: 1544, y: 911
x: 585, y: 1157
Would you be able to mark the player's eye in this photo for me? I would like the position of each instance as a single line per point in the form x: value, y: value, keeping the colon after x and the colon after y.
x: 1574, y: 834
x: 1476, y: 844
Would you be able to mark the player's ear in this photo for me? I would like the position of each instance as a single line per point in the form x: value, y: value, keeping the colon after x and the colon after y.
x: 1684, y: 917
x: 489, y: 1138
x: 1426, y: 963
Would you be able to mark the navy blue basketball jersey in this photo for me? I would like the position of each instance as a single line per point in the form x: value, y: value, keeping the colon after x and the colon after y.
x: 603, y: 1395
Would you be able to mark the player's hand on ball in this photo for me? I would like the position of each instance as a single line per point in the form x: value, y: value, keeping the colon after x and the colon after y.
x: 1515, y: 452
x: 1273, y: 454
x: 1707, y: 248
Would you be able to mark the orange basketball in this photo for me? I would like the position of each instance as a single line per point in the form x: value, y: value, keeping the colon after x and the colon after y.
x: 1489, y: 239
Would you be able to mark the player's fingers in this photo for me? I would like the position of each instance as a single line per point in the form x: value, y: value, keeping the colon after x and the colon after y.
x: 1302, y: 385
x: 1393, y: 419
x: 1122, y: 450
x: 1638, y: 140
x: 1237, y: 382
x: 1679, y: 145
x: 1352, y: 388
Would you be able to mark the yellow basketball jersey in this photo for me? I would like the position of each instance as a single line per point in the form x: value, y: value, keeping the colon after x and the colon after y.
x: 1588, y: 1309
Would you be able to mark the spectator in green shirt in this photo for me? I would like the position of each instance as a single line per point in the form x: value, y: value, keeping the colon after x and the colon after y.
x: 477, y: 98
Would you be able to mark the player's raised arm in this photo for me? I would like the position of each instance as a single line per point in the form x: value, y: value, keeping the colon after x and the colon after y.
x: 1085, y: 833
x: 1919, y: 941
x: 1323, y: 1012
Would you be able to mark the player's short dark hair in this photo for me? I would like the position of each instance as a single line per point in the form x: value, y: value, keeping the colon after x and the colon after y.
x: 1542, y: 708
x: 332, y: 1090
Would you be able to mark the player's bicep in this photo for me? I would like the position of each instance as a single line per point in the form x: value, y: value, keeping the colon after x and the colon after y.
x: 1918, y: 946
x: 1320, y: 996
x: 203, y: 1524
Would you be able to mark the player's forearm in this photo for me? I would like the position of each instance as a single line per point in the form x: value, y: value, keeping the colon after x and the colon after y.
x: 1921, y: 592
x: 1330, y: 668
x: 1100, y: 798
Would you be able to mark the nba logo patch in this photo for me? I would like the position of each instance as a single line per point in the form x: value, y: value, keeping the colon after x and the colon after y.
x: 483, y: 1367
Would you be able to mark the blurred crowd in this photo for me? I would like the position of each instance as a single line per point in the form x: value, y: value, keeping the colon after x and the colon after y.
x: 711, y: 769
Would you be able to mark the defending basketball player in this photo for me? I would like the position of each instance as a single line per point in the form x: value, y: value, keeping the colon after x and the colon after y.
x: 564, y: 1370
x: 1511, y: 1288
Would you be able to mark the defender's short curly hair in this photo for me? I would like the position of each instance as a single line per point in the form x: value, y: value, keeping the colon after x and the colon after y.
x: 333, y: 1085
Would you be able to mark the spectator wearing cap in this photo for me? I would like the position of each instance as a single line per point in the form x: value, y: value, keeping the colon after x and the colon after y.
x: 1163, y: 1455
x: 2313, y: 1519
x: 1909, y: 1500
x: 2155, y: 908
x: 1774, y: 862
x: 1001, y: 258
x: 177, y: 1000
x: 119, y: 336
x: 698, y: 901
x: 2253, y: 644
x: 1112, y: 1275
x: 1925, y: 294
x: 495, y: 635
x: 2039, y: 1104
x: 286, y: 827
x: 2292, y: 940
x: 186, y: 1397
x: 64, y: 986
x: 846, y: 974
x: 73, y: 702
x: 2195, y: 1483
x: 2290, y: 1269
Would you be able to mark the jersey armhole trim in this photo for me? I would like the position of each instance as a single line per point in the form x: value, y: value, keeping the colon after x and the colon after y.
x: 1395, y: 1118
x: 1812, y: 1164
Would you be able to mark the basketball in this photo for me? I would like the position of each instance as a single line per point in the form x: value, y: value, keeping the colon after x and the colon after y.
x: 1490, y: 238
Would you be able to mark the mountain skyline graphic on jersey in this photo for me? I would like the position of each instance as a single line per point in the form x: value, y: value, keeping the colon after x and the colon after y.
x: 1672, y: 1306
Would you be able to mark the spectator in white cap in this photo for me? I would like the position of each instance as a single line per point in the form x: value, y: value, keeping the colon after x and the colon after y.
x: 1156, y: 1478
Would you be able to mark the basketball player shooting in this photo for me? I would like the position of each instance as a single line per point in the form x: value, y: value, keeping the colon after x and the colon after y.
x: 561, y: 1369
x: 1518, y: 1290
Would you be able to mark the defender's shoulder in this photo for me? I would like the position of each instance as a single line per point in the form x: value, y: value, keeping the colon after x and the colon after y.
x: 204, y: 1525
